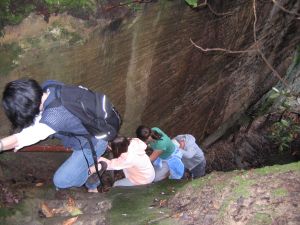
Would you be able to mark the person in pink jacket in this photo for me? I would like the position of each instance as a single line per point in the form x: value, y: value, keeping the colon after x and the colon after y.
x: 130, y: 156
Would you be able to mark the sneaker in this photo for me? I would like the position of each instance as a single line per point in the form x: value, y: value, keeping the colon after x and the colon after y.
x: 93, y: 180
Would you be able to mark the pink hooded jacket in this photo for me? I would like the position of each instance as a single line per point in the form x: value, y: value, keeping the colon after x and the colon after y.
x: 135, y: 163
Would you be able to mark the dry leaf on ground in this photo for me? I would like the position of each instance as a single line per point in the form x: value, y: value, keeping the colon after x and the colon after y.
x: 70, y: 221
x: 46, y: 210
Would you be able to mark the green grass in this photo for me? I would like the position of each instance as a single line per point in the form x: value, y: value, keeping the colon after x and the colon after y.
x: 242, y: 186
x: 9, y: 57
x: 12, y: 12
x: 135, y: 205
x: 261, y: 219
x: 5, y: 212
x: 278, y: 168
x: 279, y: 192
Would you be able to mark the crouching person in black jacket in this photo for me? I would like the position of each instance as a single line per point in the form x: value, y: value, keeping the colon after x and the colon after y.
x: 25, y: 104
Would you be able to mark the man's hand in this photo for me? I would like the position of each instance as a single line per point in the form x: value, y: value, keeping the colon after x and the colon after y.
x: 8, y: 143
x: 181, y: 144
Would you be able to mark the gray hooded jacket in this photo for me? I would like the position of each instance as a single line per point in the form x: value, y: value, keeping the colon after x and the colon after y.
x: 192, y: 155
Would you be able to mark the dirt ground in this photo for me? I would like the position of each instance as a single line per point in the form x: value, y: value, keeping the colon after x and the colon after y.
x: 268, y: 195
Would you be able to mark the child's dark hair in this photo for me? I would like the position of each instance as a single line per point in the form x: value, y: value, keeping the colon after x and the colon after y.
x: 21, y: 102
x: 119, y: 145
x: 143, y: 133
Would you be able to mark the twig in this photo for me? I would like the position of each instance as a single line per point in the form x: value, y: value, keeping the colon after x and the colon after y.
x: 261, y: 53
x: 296, y: 113
x: 202, y: 4
x: 273, y: 70
x: 284, y: 9
x: 221, y: 49
x: 158, y: 219
x: 254, y: 23
x: 257, y: 49
x: 205, y: 3
x: 127, y: 3
x: 218, y: 14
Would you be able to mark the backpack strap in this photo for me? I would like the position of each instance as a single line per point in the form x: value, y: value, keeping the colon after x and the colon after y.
x: 57, y: 102
x: 94, y: 156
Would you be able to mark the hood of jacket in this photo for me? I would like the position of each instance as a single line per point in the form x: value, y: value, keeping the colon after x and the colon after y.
x: 137, y: 146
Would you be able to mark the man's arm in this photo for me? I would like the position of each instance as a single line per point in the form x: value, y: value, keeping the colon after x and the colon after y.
x: 28, y: 136
x: 33, y: 134
x: 8, y: 143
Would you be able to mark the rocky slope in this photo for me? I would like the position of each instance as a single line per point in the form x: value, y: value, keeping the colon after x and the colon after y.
x: 263, y: 196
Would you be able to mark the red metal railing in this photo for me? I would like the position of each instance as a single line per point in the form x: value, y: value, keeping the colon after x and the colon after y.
x: 45, y: 148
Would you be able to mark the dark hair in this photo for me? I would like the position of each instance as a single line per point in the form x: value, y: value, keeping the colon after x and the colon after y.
x: 143, y: 133
x: 119, y: 145
x: 21, y: 102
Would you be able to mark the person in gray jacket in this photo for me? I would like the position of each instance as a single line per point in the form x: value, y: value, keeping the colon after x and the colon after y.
x: 192, y: 155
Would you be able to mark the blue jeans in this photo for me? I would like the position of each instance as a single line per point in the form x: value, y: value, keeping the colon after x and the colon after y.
x: 125, y: 182
x: 199, y: 170
x: 74, y: 171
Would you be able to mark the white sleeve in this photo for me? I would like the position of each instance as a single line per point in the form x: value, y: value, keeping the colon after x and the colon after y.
x: 33, y: 134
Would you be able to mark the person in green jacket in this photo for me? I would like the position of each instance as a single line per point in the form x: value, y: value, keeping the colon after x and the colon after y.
x: 165, y: 156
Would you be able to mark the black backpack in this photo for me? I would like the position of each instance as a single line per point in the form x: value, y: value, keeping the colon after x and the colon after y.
x: 94, y: 109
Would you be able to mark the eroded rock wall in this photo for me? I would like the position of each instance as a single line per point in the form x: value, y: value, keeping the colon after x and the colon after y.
x: 147, y: 65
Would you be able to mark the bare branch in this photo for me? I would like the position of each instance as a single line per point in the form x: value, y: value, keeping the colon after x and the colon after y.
x: 205, y: 3
x: 121, y: 4
x: 254, y: 23
x: 257, y: 49
x: 202, y: 4
x: 218, y: 14
x: 273, y: 70
x: 221, y: 49
x: 261, y: 53
x: 284, y: 9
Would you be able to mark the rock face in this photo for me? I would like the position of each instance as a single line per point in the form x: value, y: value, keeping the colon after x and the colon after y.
x: 147, y: 65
